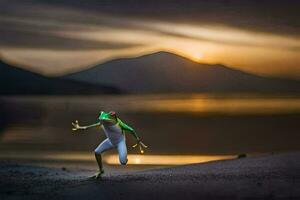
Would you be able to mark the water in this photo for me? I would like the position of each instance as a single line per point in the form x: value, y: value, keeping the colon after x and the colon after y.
x: 193, y: 124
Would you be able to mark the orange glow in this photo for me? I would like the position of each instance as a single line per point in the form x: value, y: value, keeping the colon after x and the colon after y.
x: 195, y: 56
x: 137, y: 159
x: 234, y: 106
x: 113, y: 159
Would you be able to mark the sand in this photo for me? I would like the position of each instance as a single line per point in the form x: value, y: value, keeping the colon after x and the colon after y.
x: 262, y: 177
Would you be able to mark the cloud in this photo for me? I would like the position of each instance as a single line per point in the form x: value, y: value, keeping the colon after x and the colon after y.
x: 43, y: 34
x: 225, y: 35
x: 43, y: 40
x: 259, y: 15
x: 36, y: 24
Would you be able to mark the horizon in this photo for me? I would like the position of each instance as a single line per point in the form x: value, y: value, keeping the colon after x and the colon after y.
x: 53, y: 38
x: 95, y: 65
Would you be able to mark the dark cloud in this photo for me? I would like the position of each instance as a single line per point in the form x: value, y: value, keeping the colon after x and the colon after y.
x: 43, y: 40
x: 280, y: 16
x: 33, y: 25
x: 19, y: 23
x: 261, y: 15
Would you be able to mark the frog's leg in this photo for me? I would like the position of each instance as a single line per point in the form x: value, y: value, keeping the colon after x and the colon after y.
x: 122, y: 150
x: 104, y: 146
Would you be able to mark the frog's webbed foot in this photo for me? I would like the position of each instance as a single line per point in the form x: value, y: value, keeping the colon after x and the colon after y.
x: 97, y: 175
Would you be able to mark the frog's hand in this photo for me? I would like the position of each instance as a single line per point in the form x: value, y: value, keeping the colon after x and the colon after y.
x: 135, y: 145
x: 141, y: 146
x: 76, y: 126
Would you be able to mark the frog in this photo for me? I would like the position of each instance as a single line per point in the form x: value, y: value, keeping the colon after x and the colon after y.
x: 114, y: 129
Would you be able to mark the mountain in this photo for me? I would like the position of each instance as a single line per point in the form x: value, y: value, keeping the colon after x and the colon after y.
x: 167, y: 72
x: 16, y: 81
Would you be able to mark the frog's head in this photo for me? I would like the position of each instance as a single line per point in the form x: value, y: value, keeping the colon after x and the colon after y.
x: 108, y: 117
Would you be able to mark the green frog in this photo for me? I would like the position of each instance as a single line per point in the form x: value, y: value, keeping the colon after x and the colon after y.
x: 114, y: 129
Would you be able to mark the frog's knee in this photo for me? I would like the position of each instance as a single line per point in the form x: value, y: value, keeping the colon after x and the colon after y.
x: 96, y: 151
x: 123, y: 161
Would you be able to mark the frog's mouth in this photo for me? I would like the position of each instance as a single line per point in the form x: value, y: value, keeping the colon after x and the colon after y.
x: 108, y: 120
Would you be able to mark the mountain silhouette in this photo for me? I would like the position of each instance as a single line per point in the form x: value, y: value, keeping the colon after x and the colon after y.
x: 166, y: 72
x: 16, y: 81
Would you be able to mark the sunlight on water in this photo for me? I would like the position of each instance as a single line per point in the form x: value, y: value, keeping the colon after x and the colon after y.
x: 226, y: 106
x: 135, y: 159
x: 113, y: 159
x: 189, y: 103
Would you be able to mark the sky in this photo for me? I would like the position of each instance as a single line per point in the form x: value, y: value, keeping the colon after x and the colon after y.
x: 55, y: 37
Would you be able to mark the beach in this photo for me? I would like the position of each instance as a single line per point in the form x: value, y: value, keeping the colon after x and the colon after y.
x: 41, y: 158
x: 274, y: 176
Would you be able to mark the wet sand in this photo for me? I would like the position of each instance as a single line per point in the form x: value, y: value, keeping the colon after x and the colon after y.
x: 260, y: 177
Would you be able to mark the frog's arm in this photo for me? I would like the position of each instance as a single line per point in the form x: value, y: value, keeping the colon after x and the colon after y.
x: 93, y: 125
x: 128, y: 128
x: 76, y: 126
x: 125, y: 127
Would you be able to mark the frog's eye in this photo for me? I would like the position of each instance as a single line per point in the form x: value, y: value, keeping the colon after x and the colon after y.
x: 112, y: 113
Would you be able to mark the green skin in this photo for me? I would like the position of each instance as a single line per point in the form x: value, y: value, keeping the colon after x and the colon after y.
x: 109, y: 119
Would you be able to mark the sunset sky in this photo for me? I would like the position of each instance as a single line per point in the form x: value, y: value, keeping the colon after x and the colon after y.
x: 57, y: 37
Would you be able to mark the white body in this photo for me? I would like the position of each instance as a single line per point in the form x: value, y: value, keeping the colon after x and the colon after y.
x: 115, y: 139
x: 113, y: 133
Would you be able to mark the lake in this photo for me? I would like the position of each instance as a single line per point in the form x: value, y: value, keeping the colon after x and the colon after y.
x: 172, y: 125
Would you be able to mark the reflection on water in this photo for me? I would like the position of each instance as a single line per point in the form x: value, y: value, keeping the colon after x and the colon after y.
x: 224, y: 106
x: 199, y: 103
x: 189, y: 124
x: 113, y: 159
x: 135, y: 159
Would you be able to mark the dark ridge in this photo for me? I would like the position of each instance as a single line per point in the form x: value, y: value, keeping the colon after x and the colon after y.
x: 16, y: 81
x: 166, y: 72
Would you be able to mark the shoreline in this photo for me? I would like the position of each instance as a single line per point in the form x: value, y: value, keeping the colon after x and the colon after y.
x: 261, y: 177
